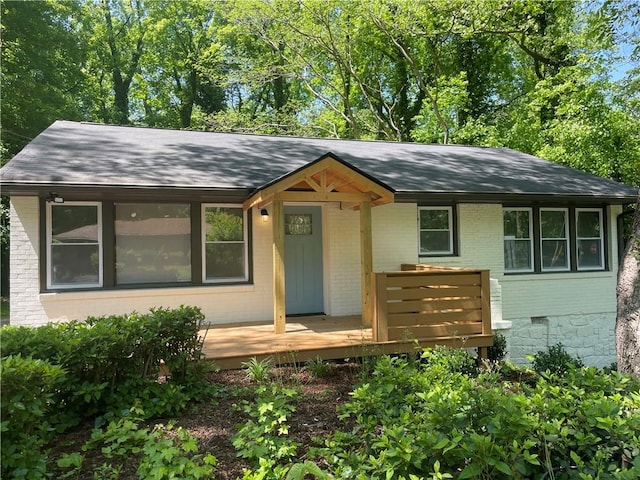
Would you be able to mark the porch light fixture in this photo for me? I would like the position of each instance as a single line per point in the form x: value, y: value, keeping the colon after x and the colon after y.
x: 265, y: 215
x: 55, y: 198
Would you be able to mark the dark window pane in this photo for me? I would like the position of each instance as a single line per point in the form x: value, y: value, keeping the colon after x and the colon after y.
x: 434, y: 219
x: 553, y: 224
x: 554, y: 254
x: 517, y: 254
x: 516, y: 224
x: 75, y: 264
x: 434, y: 242
x: 74, y: 224
x: 224, y: 224
x: 589, y: 254
x: 224, y: 250
x: 589, y: 224
x: 224, y: 260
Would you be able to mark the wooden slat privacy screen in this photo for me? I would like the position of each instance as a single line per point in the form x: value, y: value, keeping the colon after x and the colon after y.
x: 423, y: 302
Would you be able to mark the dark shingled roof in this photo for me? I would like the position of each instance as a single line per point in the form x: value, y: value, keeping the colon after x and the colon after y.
x: 84, y: 154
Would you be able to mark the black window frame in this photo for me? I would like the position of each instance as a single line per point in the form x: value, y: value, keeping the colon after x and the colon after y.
x: 455, y: 249
x: 572, y: 239
x: 108, y: 242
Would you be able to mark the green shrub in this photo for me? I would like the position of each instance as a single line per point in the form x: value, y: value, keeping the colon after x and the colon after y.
x: 450, y: 360
x: 173, y: 338
x: 498, y: 351
x: 556, y: 360
x: 111, y: 361
x: 100, y: 367
x: 410, y: 420
x: 27, y: 392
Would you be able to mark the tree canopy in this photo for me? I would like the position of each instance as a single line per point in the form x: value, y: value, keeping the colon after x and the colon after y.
x: 534, y: 75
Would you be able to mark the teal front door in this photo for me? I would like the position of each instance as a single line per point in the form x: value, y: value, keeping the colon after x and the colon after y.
x: 303, y: 260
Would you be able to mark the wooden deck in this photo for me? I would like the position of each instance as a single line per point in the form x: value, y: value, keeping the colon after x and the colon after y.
x: 305, y: 339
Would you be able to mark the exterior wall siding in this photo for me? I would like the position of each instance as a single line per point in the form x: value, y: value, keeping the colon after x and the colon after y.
x: 395, y: 236
x: 24, y: 274
x: 480, y: 239
x: 394, y: 242
x: 220, y: 304
x: 342, y: 261
x: 577, y: 309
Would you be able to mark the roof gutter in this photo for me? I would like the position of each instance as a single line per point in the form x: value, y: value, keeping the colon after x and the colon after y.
x: 127, y: 192
x: 511, y: 198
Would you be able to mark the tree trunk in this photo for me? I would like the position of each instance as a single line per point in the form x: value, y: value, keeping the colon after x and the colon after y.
x: 121, y: 72
x: 628, y: 315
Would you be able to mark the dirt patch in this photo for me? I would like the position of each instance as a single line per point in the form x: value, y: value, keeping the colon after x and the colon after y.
x: 213, y: 423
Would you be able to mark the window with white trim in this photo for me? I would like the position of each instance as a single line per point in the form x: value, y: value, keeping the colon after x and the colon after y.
x: 589, y: 239
x: 554, y: 239
x: 224, y: 242
x: 74, y: 245
x: 545, y: 240
x: 435, y: 230
x: 518, y: 244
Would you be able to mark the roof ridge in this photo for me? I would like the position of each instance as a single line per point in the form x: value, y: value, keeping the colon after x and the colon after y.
x: 288, y: 137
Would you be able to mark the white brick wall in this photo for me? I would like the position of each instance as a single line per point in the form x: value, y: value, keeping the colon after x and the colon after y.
x: 580, y: 307
x: 578, y: 310
x: 480, y: 239
x: 588, y: 336
x: 394, y: 242
x: 24, y: 285
x: 395, y: 236
x: 342, y: 261
x: 220, y: 304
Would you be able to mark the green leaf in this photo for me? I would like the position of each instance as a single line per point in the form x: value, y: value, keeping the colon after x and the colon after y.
x: 471, y: 470
x: 441, y: 444
x: 72, y: 459
x: 504, y: 468
x: 575, y: 457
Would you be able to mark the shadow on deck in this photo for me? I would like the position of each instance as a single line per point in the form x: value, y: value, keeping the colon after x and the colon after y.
x: 307, y: 338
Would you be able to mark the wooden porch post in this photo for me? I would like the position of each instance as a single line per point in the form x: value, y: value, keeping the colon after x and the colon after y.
x: 366, y: 260
x: 279, y: 313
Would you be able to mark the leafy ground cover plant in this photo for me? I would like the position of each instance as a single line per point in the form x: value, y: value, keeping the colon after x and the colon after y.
x: 413, y: 417
x: 162, y: 452
x: 428, y: 420
x: 263, y: 439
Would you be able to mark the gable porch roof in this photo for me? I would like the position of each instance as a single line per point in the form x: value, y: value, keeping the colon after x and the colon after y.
x: 327, y: 179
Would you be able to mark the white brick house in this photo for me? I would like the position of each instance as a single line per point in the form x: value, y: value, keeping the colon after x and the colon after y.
x: 107, y: 220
